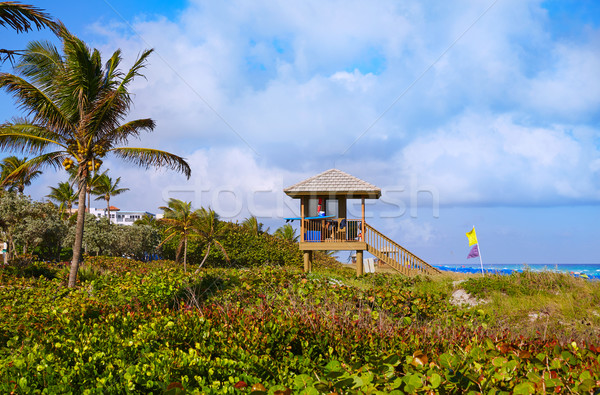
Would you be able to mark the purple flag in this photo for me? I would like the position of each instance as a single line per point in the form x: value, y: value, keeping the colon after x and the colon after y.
x: 474, y: 252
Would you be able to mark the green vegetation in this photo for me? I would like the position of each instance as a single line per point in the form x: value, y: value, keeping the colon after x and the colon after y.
x: 76, y: 106
x: 151, y: 327
x: 104, y: 187
x: 540, y: 304
x: 16, y: 173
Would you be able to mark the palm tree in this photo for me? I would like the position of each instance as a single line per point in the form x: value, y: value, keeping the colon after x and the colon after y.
x: 286, y: 232
x: 17, y: 173
x: 181, y: 223
x: 91, y: 182
x: 252, y: 225
x: 77, y: 107
x: 147, y: 219
x: 64, y: 195
x: 23, y: 18
x: 104, y: 188
x: 210, y: 230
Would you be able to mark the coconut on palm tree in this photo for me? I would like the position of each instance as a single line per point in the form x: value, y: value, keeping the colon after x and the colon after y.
x: 64, y: 195
x: 17, y: 173
x: 77, y: 108
x: 180, y: 223
x: 104, y: 188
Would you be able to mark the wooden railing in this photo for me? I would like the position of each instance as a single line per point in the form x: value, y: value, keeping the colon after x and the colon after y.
x: 396, y: 256
x: 328, y: 230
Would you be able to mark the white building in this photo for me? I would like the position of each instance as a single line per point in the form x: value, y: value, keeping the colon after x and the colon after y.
x: 120, y: 217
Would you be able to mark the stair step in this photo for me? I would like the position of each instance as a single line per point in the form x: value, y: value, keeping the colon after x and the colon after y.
x: 391, y: 253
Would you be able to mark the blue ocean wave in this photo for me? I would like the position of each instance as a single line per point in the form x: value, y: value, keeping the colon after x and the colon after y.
x: 590, y: 271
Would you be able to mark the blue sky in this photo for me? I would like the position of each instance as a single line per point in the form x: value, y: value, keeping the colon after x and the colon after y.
x: 465, y: 113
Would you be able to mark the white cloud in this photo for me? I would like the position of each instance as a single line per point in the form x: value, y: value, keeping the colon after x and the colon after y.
x: 494, y: 160
x: 255, y: 92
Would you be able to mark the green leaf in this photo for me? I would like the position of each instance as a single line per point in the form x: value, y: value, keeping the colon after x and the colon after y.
x: 302, y: 381
x: 333, y: 366
x: 525, y: 388
x: 345, y: 383
x: 447, y: 361
x: 499, y: 361
x: 392, y: 360
x: 435, y: 380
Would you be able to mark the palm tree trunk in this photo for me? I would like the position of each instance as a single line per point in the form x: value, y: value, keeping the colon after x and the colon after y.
x: 185, y: 255
x: 108, y: 210
x: 89, y: 200
x: 203, y: 260
x: 78, y: 232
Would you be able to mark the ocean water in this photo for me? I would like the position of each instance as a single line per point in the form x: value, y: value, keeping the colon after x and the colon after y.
x: 590, y: 270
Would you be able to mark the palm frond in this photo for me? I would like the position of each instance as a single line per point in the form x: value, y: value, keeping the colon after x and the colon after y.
x: 122, y: 133
x: 27, y: 137
x: 41, y: 63
x: 53, y: 159
x: 113, y: 106
x: 23, y: 17
x: 19, y: 172
x: 147, y: 157
x: 35, y: 102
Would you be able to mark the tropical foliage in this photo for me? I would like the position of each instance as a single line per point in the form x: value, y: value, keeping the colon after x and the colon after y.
x: 26, y: 225
x: 105, y: 188
x: 64, y: 195
x: 17, y: 173
x: 76, y: 109
x: 180, y: 221
x: 211, y: 232
x: 150, y: 327
x: 23, y: 18
x: 252, y: 225
x: 286, y: 232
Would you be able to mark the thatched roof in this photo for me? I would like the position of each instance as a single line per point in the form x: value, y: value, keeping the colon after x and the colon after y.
x: 334, y: 182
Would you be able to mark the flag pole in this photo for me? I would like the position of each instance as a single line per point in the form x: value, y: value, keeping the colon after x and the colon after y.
x: 480, y: 260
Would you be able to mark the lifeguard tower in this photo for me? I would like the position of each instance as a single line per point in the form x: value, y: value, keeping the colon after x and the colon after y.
x: 324, y: 223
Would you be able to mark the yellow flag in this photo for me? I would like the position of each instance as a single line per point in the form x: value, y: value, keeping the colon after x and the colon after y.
x: 472, y: 237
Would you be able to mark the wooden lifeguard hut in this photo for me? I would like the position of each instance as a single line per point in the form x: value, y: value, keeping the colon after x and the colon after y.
x: 325, y: 226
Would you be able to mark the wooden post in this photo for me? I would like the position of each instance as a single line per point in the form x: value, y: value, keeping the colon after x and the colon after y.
x: 342, y: 207
x: 302, y: 219
x: 363, y: 219
x: 307, y: 261
x: 360, y: 269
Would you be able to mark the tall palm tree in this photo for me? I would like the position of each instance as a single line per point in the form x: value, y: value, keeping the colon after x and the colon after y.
x: 210, y: 230
x: 286, y: 232
x: 104, y: 188
x: 181, y: 224
x: 23, y: 18
x: 77, y: 108
x: 64, y: 195
x: 17, y: 173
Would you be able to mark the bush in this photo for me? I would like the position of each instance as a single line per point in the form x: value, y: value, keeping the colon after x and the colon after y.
x: 148, y: 327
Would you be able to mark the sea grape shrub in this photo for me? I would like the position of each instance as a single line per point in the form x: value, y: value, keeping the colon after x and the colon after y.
x: 248, y: 249
x: 267, y: 328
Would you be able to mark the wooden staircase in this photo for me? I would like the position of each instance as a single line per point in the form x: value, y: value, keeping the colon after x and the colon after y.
x: 393, y: 254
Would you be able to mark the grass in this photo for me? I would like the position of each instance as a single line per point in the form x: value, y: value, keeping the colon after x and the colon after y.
x: 539, y: 303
